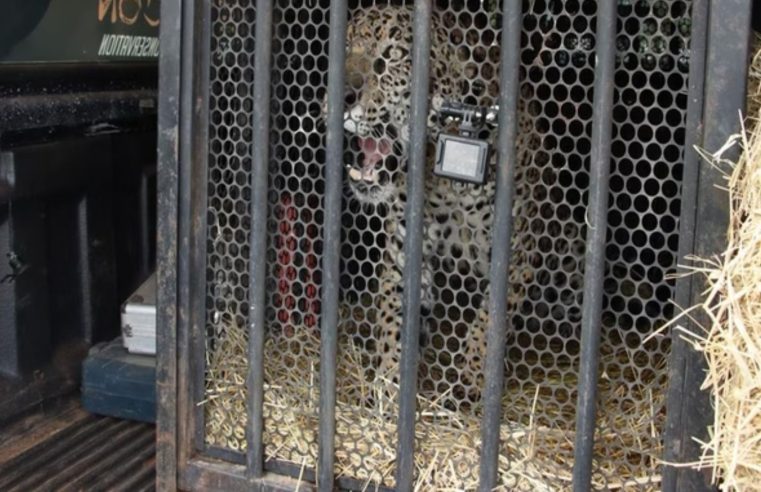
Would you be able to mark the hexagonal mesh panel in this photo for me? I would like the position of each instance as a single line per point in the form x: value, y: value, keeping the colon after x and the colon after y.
x: 648, y: 147
x: 651, y: 86
x: 294, y: 231
x: 552, y: 181
x: 228, y: 221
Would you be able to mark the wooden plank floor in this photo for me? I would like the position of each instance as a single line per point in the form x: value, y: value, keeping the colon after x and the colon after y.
x: 62, y: 447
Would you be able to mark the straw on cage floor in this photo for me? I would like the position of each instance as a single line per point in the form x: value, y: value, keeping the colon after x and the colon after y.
x: 535, y: 455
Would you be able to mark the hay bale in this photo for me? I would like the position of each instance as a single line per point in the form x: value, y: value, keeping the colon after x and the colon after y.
x: 754, y: 81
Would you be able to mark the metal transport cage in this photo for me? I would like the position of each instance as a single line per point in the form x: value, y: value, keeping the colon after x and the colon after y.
x: 342, y: 305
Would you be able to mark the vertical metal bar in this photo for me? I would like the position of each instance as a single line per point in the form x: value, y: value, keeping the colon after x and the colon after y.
x: 673, y: 443
x: 166, y: 245
x: 184, y: 372
x: 501, y: 242
x: 413, y: 244
x: 332, y: 243
x: 602, y: 126
x: 258, y: 243
x: 197, y: 234
x: 718, y: 76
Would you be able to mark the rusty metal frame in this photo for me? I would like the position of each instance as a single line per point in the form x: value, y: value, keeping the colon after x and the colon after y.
x: 718, y: 80
x: 166, y: 246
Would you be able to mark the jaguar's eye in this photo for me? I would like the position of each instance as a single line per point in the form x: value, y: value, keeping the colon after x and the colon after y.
x: 351, y: 97
x: 355, y: 80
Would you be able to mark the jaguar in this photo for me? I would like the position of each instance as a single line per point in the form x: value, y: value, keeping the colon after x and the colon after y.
x: 457, y: 217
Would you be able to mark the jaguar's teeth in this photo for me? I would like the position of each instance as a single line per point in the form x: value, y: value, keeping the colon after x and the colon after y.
x: 369, y: 176
x: 355, y: 174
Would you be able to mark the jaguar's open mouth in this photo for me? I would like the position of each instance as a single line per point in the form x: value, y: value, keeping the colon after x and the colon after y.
x: 372, y: 144
x: 373, y: 152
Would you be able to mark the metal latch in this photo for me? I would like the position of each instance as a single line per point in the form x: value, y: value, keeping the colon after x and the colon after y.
x: 464, y: 156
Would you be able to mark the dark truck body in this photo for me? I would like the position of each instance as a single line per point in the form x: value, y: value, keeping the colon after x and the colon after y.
x: 77, y: 230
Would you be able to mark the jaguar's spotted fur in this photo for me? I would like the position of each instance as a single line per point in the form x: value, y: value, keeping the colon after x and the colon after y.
x: 458, y: 217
